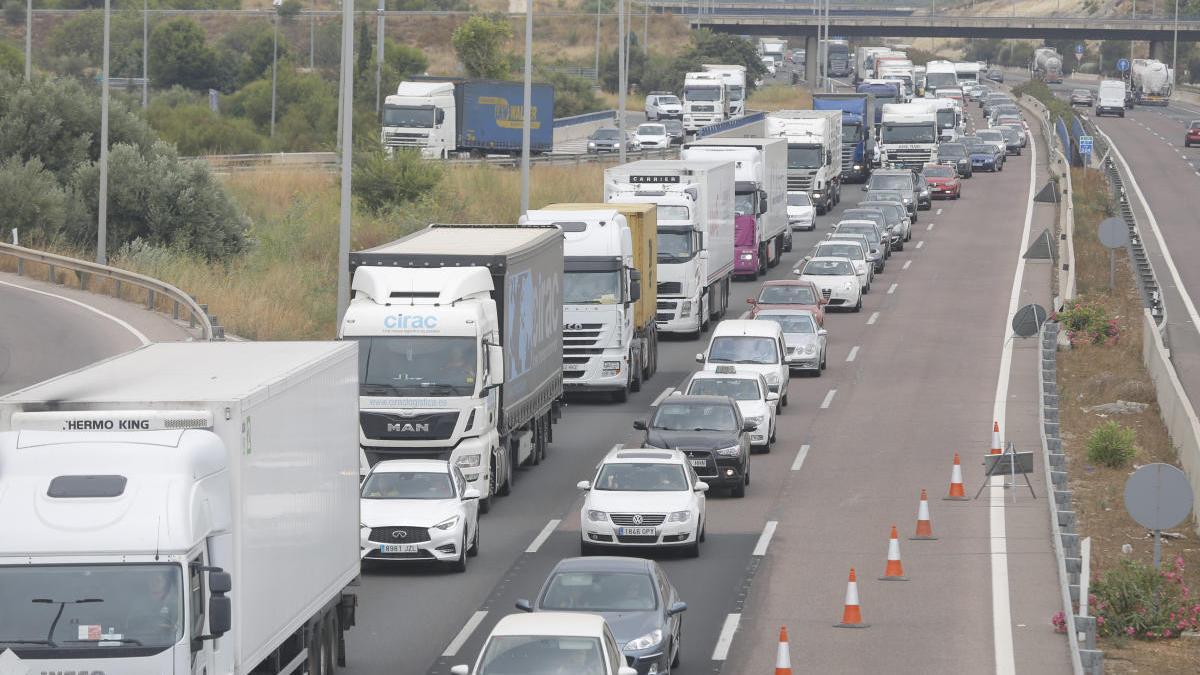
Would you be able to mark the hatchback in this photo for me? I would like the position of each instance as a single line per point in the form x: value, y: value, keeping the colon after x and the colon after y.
x: 1193, y: 134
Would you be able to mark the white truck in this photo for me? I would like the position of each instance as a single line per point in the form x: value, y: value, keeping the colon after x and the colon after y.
x: 735, y: 86
x: 459, y: 330
x: 940, y: 75
x: 1047, y: 65
x: 772, y: 48
x: 864, y: 64
x: 761, y: 232
x: 814, y: 142
x: 1151, y: 81
x: 695, y: 235
x: 183, y: 508
x: 901, y: 69
x: 967, y: 72
x: 705, y: 100
x: 908, y: 134
x: 949, y: 118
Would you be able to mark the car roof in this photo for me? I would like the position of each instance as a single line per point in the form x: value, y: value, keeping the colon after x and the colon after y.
x: 412, y: 465
x: 703, y: 399
x: 789, y: 312
x: 748, y: 327
x: 604, y: 563
x: 827, y: 258
x: 788, y: 282
x: 736, y: 374
x: 856, y: 221
x: 840, y: 242
x: 645, y: 455
x: 565, y: 624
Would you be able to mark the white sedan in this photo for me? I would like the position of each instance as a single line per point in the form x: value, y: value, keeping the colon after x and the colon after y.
x: 800, y: 212
x: 653, y: 136
x: 837, y: 281
x: 643, y: 498
x: 418, y: 510
x: 749, y: 390
x: 852, y: 250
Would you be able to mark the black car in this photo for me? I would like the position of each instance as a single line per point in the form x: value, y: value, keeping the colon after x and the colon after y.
x: 955, y: 154
x: 710, y: 431
x: 634, y: 596
x: 879, y: 218
x: 674, y: 130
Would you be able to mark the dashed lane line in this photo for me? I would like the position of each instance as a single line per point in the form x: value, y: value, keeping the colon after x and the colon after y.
x: 800, y: 457
x: 892, y: 289
x: 764, y: 539
x: 853, y: 354
x: 725, y: 639
x: 874, y: 317
x: 828, y: 399
x: 907, y: 263
x: 543, y: 536
x: 921, y: 244
x: 465, y: 634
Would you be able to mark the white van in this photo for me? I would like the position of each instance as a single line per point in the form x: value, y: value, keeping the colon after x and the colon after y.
x: 1111, y: 100
x: 756, y: 346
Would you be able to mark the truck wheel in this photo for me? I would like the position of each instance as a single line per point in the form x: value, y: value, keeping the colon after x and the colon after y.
x: 635, y: 378
x: 510, y: 468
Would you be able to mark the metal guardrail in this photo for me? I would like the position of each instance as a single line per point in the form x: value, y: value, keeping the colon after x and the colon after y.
x: 329, y: 160
x: 585, y: 118
x: 179, y: 302
x: 729, y: 125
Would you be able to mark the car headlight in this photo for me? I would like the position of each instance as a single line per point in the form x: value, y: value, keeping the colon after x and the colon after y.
x: 731, y: 451
x: 847, y: 286
x: 924, y: 193
x: 447, y: 523
x: 809, y: 350
x: 679, y: 517
x: 591, y: 144
x: 468, y: 461
x: 597, y: 516
x: 685, y: 309
x: 816, y: 195
x: 646, y: 641
x: 772, y: 378
x: 908, y: 200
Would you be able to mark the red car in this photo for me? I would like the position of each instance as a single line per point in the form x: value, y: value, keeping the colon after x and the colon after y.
x: 1193, y: 134
x: 943, y: 181
x: 789, y: 294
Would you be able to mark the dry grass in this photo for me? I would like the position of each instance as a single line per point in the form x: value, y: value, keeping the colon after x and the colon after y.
x: 780, y: 97
x: 635, y: 102
x: 1089, y: 375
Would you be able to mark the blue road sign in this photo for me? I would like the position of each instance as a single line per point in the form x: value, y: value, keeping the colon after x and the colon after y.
x: 1085, y: 145
x: 1079, y: 50
x: 1123, y: 65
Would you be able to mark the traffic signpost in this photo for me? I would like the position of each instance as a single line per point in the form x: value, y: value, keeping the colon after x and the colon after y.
x: 1123, y: 65
x: 1085, y: 150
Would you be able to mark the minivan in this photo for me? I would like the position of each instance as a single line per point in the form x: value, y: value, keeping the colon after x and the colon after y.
x: 756, y: 346
x: 1111, y: 99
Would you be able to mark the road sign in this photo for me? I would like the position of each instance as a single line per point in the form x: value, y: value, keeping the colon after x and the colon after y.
x: 1028, y: 320
x: 1123, y: 65
x: 1079, y: 50
x: 1085, y: 145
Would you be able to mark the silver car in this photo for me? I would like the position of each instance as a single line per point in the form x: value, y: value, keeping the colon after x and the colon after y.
x: 806, y: 341
x: 893, y: 209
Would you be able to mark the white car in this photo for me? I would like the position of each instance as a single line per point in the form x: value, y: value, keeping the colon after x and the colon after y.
x: 800, y: 212
x: 660, y: 104
x: 806, y: 341
x: 549, y: 642
x: 837, y: 281
x: 751, y: 393
x: 754, y: 346
x: 853, y: 250
x: 418, y: 510
x: 652, y: 136
x: 643, y: 498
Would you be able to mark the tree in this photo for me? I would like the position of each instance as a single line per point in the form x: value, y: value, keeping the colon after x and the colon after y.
x: 710, y: 47
x: 12, y: 60
x: 572, y: 95
x: 479, y: 43
x: 404, y: 60
x: 1112, y: 51
x: 31, y: 199
x: 179, y: 55
x: 195, y: 130
x: 383, y: 182
x: 83, y: 36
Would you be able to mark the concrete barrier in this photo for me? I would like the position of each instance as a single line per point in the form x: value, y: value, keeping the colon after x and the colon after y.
x: 581, y: 126
x: 1173, y: 405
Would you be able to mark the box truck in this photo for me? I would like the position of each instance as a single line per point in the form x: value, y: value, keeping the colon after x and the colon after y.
x: 908, y: 135
x: 449, y: 117
x: 695, y: 235
x: 814, y: 139
x: 858, y: 130
x: 459, y: 328
x: 760, y: 226
x: 940, y: 75
x: 735, y: 86
x: 183, y: 508
x: 610, y: 284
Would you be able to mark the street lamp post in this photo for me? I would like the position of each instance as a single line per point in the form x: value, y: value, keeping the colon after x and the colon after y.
x: 145, y: 53
x: 598, y: 3
x: 1175, y: 48
x: 28, y: 40
x: 102, y: 208
x: 379, y: 55
x: 274, y: 62
x: 346, y: 140
x: 622, y: 74
x: 527, y: 107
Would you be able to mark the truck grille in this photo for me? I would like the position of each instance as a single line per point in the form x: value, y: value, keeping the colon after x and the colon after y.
x: 420, y: 427
x: 669, y: 288
x: 406, y: 140
x: 579, y: 341
x: 799, y: 183
x: 847, y: 159
x: 703, y: 108
x: 399, y: 534
x: 648, y: 519
x: 909, y: 158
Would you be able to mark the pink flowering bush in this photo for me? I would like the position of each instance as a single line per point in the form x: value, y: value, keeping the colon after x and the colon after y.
x: 1088, y: 323
x: 1134, y: 600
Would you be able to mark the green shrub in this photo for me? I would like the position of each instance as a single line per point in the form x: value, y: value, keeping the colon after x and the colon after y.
x: 197, y: 130
x: 290, y: 9
x: 382, y: 182
x: 1135, y: 600
x: 1111, y: 445
x: 572, y: 95
x: 12, y: 60
x: 1089, y: 323
x: 14, y: 13
x: 31, y: 199
x: 179, y: 55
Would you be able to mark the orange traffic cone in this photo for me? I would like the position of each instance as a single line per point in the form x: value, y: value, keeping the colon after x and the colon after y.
x: 894, y: 570
x: 996, y: 450
x: 852, y: 614
x: 924, y: 527
x: 957, y: 493
x: 783, y: 658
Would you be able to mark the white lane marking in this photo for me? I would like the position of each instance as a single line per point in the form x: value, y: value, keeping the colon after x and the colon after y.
x: 939, y: 212
x: 853, y: 354
x: 1162, y: 245
x: 828, y: 399
x: 874, y: 317
x: 665, y: 393
x: 929, y: 227
x: 542, y: 536
x: 725, y: 639
x: 921, y: 244
x: 907, y: 263
x: 764, y: 539
x: 800, y: 457
x: 892, y: 289
x: 123, y: 324
x: 464, y: 634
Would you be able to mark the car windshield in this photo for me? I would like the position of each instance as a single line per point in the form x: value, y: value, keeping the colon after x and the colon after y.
x: 828, y: 268
x: 954, y: 152
x: 1010, y: 135
x: 600, y: 592
x: 541, y: 655
x: 791, y: 323
x: 866, y: 230
x: 673, y: 126
x: 694, y: 417
x: 668, y: 100
x: 642, y: 477
x: 839, y: 251
x: 60, y: 609
x: 883, y: 201
x: 787, y: 294
x: 702, y: 93
x: 799, y: 199
x: 1080, y: 92
x: 743, y: 349
x: 908, y: 133
x: 801, y: 157
x: 890, y: 182
x: 592, y: 288
x: 939, y: 172
x: 426, y: 365
x: 736, y: 388
x: 408, y: 485
x: 606, y: 134
x: 873, y: 214
x: 413, y: 116
x: 674, y: 246
x: 989, y: 135
x: 651, y: 130
x: 1195, y: 125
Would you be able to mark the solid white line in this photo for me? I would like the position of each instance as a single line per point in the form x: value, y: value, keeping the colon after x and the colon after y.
x: 874, y: 317
x: 542, y: 536
x: 123, y: 324
x: 725, y: 639
x: 907, y: 263
x: 939, y: 212
x: 764, y: 539
x: 921, y: 244
x: 892, y: 289
x: 828, y: 399
x: 665, y: 393
x: 464, y: 634
x: 800, y: 457
x: 929, y: 227
x: 853, y: 354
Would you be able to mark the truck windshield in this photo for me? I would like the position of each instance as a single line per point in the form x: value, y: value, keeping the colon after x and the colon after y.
x: 701, y: 93
x: 850, y: 133
x: 743, y: 203
x: 542, y: 655
x: 939, y: 80
x: 906, y: 133
x: 674, y: 246
x: 673, y: 212
x: 57, y: 608
x: 735, y: 93
x: 743, y: 349
x: 802, y: 157
x: 400, y: 365
x: 418, y: 116
x: 592, y: 288
x: 946, y: 119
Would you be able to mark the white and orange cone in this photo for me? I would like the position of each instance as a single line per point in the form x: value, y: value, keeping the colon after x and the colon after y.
x: 957, y: 492
x: 783, y: 657
x: 996, y: 449
x: 924, y: 526
x: 895, y: 569
x: 852, y: 614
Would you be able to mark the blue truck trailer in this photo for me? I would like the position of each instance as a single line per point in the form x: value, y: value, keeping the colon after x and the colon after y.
x: 858, y: 130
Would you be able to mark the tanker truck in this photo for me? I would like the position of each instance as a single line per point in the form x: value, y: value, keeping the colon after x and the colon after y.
x: 1151, y: 81
x: 1047, y: 65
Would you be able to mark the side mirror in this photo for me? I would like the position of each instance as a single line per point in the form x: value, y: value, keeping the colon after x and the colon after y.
x: 640, y: 425
x: 524, y: 605
x: 677, y: 608
x: 772, y: 396
x: 700, y: 486
x: 635, y: 286
x: 822, y: 332
x: 439, y: 117
x: 864, y: 188
x: 460, y: 670
x: 585, y: 485
x: 749, y: 426
x: 762, y: 202
x: 700, y: 358
x: 751, y: 301
x: 495, y: 355
x: 220, y: 607
x: 220, y: 582
x: 470, y: 493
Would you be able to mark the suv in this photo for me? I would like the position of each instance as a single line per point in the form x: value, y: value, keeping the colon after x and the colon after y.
x: 955, y: 154
x: 663, y: 105
x: 861, y: 212
x: 902, y: 180
x: 710, y: 432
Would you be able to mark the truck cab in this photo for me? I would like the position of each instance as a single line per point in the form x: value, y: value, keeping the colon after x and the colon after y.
x: 705, y: 100
x: 421, y: 115
x: 908, y: 135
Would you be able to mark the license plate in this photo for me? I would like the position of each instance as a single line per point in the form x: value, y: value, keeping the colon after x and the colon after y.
x: 573, y: 368
x: 397, y: 548
x: 699, y: 462
x: 637, y: 532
